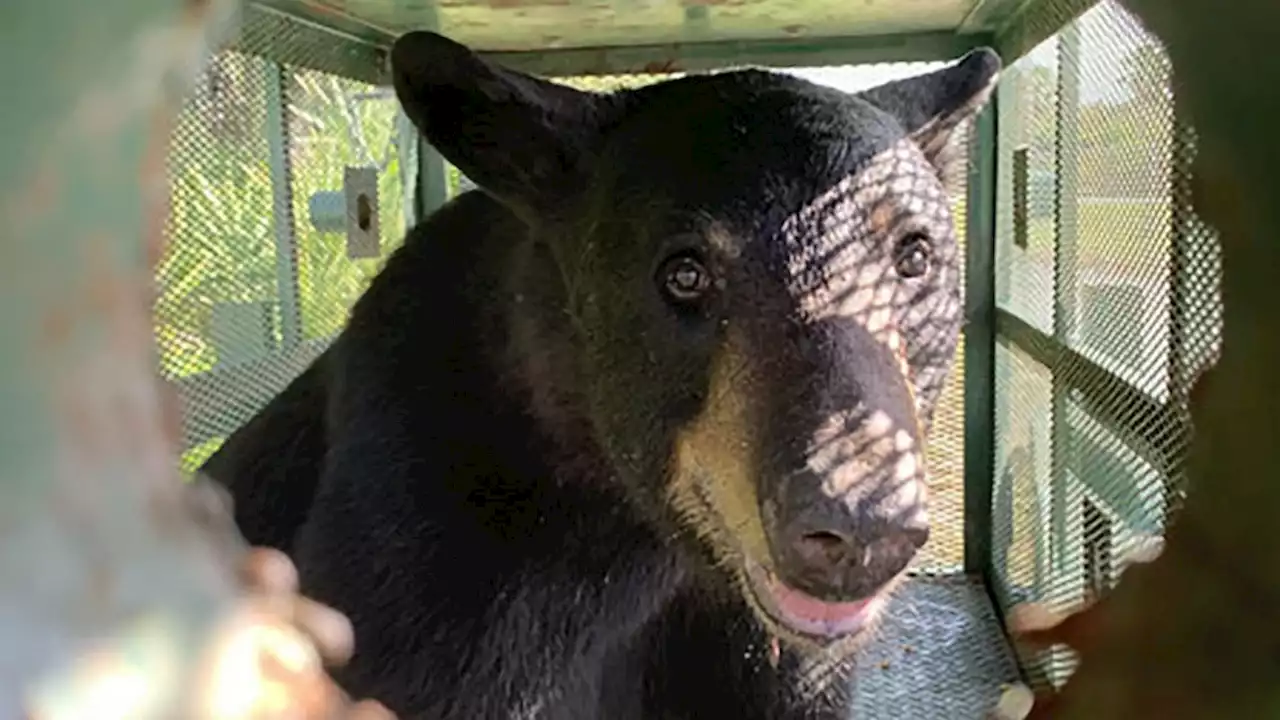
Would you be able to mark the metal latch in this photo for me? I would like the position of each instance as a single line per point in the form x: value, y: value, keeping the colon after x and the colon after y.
x: 354, y: 211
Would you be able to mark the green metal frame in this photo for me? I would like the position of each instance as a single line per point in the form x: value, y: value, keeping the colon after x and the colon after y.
x: 331, y: 21
x: 1033, y: 22
x: 695, y: 56
x: 336, y: 43
x: 347, y: 47
x: 988, y: 14
x: 1189, y: 240
x: 1015, y: 26
x: 1153, y: 430
x: 1109, y: 398
x: 277, y: 129
x: 303, y: 42
x: 1065, y: 245
x: 979, y: 343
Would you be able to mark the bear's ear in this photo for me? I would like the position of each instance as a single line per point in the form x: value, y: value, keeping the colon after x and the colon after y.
x: 518, y: 137
x: 930, y: 106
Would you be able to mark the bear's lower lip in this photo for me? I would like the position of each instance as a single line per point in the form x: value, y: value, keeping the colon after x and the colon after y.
x: 807, y: 615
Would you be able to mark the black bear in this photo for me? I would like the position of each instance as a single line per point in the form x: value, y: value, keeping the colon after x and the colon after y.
x: 636, y: 430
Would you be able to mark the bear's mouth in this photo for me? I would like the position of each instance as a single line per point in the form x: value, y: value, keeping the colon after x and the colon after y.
x: 807, y: 616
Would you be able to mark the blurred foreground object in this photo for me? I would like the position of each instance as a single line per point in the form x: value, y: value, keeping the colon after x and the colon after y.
x: 1193, y: 634
x: 122, y: 591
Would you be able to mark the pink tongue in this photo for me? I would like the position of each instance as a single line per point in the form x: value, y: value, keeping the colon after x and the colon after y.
x: 794, y: 602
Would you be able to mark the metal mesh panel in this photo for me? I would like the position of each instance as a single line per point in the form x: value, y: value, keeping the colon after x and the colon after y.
x: 945, y: 551
x: 1028, y: 109
x: 1115, y: 229
x: 254, y: 283
x: 217, y: 291
x: 1022, y: 485
x: 335, y: 123
x: 1109, y: 309
x: 940, y: 654
x: 945, y: 452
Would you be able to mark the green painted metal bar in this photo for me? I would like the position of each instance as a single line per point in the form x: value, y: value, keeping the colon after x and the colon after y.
x: 305, y: 43
x: 1035, y: 23
x: 1007, y: 119
x: 277, y: 129
x: 1067, y: 142
x: 1187, y: 289
x: 329, y: 20
x: 1186, y: 244
x: 992, y: 15
x: 1065, y: 245
x: 1151, y: 430
x: 714, y: 55
x: 689, y: 55
x: 96, y: 550
x: 979, y: 344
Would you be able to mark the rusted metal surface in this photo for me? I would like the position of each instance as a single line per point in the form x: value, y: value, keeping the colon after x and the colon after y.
x: 532, y: 25
x: 1194, y: 634
x: 696, y: 55
x: 120, y: 590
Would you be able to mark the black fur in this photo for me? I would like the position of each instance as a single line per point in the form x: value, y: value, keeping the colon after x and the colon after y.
x: 477, y: 471
x: 272, y: 464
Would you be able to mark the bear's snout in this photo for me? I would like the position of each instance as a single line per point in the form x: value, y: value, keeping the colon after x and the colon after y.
x: 840, y: 551
x: 847, y: 511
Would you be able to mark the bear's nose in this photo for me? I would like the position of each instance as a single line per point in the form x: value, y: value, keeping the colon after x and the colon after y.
x: 839, y: 553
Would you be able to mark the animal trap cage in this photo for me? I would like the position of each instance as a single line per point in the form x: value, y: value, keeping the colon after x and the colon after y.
x: 1091, y: 287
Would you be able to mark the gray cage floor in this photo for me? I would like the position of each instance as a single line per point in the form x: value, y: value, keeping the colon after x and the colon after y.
x: 940, y: 653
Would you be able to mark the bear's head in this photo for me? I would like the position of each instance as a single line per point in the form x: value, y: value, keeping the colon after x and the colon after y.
x: 754, y: 284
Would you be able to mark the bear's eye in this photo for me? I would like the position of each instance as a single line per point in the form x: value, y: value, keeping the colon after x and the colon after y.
x: 684, y: 279
x: 912, y: 254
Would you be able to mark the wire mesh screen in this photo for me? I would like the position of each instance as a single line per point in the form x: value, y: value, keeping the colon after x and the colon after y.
x: 1108, y: 308
x: 1027, y: 118
x: 335, y: 124
x: 259, y: 270
x: 945, y: 550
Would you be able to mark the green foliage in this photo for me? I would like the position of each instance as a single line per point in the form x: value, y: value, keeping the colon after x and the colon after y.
x: 219, y: 298
x: 328, y: 133
x: 220, y: 224
x: 222, y: 229
x: 196, y: 456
